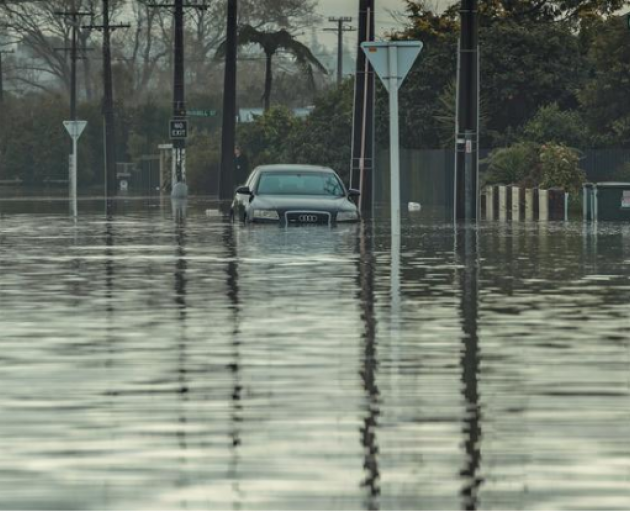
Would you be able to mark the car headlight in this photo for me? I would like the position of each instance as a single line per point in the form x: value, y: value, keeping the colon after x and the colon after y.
x: 266, y: 214
x: 347, y: 216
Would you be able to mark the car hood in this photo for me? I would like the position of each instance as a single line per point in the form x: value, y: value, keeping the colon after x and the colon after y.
x: 303, y: 203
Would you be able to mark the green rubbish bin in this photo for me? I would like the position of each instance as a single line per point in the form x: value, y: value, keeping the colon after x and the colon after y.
x: 607, y: 201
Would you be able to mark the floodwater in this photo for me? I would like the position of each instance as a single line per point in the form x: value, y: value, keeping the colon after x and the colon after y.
x: 169, y: 360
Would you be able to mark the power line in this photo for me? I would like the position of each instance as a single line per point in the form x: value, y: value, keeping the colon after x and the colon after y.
x: 74, y: 15
x: 341, y: 28
x: 179, y: 93
x: 108, y: 100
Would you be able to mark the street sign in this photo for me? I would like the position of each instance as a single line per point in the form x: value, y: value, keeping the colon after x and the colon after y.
x: 197, y: 112
x: 75, y: 128
x: 178, y: 129
x: 379, y: 54
x: 392, y: 62
x: 201, y: 113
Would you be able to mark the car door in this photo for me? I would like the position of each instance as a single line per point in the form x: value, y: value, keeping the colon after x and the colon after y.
x: 241, y: 201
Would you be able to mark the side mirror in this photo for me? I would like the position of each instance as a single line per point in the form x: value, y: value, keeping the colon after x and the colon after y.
x: 353, y: 193
x: 244, y: 190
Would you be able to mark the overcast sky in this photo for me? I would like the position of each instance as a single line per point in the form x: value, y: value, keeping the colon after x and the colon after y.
x: 384, y: 20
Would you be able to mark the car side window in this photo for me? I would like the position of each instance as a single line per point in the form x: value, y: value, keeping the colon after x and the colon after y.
x: 252, y: 179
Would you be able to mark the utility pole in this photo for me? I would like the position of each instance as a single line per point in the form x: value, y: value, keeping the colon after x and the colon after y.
x: 3, y: 52
x: 74, y: 14
x: 341, y: 28
x: 228, y: 135
x: 467, y: 134
x: 362, y: 165
x: 109, y: 132
x: 74, y: 127
x: 180, y: 189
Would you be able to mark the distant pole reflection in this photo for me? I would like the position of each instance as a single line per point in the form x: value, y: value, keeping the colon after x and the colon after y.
x: 467, y: 254
x: 181, y: 267
x: 109, y: 277
x: 229, y: 242
x: 111, y: 393
x: 369, y: 367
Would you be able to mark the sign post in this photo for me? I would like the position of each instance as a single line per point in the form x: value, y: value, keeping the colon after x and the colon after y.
x: 74, y: 129
x: 178, y: 129
x: 392, y: 62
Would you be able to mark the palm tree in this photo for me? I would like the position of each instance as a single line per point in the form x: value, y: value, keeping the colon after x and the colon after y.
x: 271, y: 43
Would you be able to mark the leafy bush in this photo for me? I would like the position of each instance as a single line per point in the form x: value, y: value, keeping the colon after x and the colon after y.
x: 550, y: 124
x: 265, y: 139
x: 203, y: 159
x: 560, y: 167
x: 324, y: 137
x: 517, y: 164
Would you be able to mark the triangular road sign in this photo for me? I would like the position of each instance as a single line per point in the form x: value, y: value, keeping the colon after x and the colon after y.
x: 378, y: 54
x: 75, y: 128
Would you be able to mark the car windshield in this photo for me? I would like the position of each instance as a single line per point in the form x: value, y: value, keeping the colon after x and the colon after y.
x: 300, y: 184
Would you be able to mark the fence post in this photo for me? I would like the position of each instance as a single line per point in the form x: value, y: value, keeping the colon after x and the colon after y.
x: 529, y: 204
x: 543, y: 205
x: 516, y: 203
x: 489, y: 203
x: 502, y: 203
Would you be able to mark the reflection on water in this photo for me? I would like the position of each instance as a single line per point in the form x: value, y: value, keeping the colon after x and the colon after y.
x: 155, y: 357
x: 469, y: 297
x: 369, y: 367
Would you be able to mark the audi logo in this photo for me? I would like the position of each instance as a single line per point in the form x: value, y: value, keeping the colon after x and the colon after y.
x: 308, y: 218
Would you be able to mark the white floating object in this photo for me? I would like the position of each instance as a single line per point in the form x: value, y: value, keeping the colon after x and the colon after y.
x: 213, y: 213
x: 414, y: 207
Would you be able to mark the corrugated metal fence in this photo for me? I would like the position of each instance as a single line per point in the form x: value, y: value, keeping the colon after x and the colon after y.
x: 427, y: 176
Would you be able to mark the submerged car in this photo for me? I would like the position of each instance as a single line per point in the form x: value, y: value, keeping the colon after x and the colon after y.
x: 294, y: 194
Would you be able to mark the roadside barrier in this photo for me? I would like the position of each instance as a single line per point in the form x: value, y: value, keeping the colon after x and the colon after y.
x: 511, y: 203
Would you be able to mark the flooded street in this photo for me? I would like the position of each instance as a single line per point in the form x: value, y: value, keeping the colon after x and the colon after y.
x: 164, y: 361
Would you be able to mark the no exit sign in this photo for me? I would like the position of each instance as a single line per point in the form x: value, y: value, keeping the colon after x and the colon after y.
x: 178, y: 128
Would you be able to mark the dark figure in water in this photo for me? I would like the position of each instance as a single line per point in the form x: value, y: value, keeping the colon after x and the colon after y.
x: 241, y: 166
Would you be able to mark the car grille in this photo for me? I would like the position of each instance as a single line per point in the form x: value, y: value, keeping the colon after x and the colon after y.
x: 307, y: 217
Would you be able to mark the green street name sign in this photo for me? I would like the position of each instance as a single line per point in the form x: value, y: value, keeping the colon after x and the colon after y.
x: 201, y: 113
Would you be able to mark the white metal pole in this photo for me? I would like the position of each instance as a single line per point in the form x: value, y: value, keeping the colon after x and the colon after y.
x: 73, y: 176
x: 173, y: 168
x: 394, y: 139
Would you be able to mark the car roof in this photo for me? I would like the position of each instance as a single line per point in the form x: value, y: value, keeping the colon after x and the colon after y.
x: 293, y: 168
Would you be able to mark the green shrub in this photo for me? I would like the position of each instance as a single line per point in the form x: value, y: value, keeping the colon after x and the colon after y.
x: 264, y: 140
x: 552, y: 125
x: 203, y: 159
x: 517, y: 164
x: 560, y: 168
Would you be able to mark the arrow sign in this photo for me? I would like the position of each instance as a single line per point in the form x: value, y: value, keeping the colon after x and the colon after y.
x: 379, y: 54
x: 75, y: 128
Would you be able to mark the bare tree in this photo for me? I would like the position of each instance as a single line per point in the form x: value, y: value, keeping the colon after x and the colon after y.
x: 141, y: 50
x: 143, y: 53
